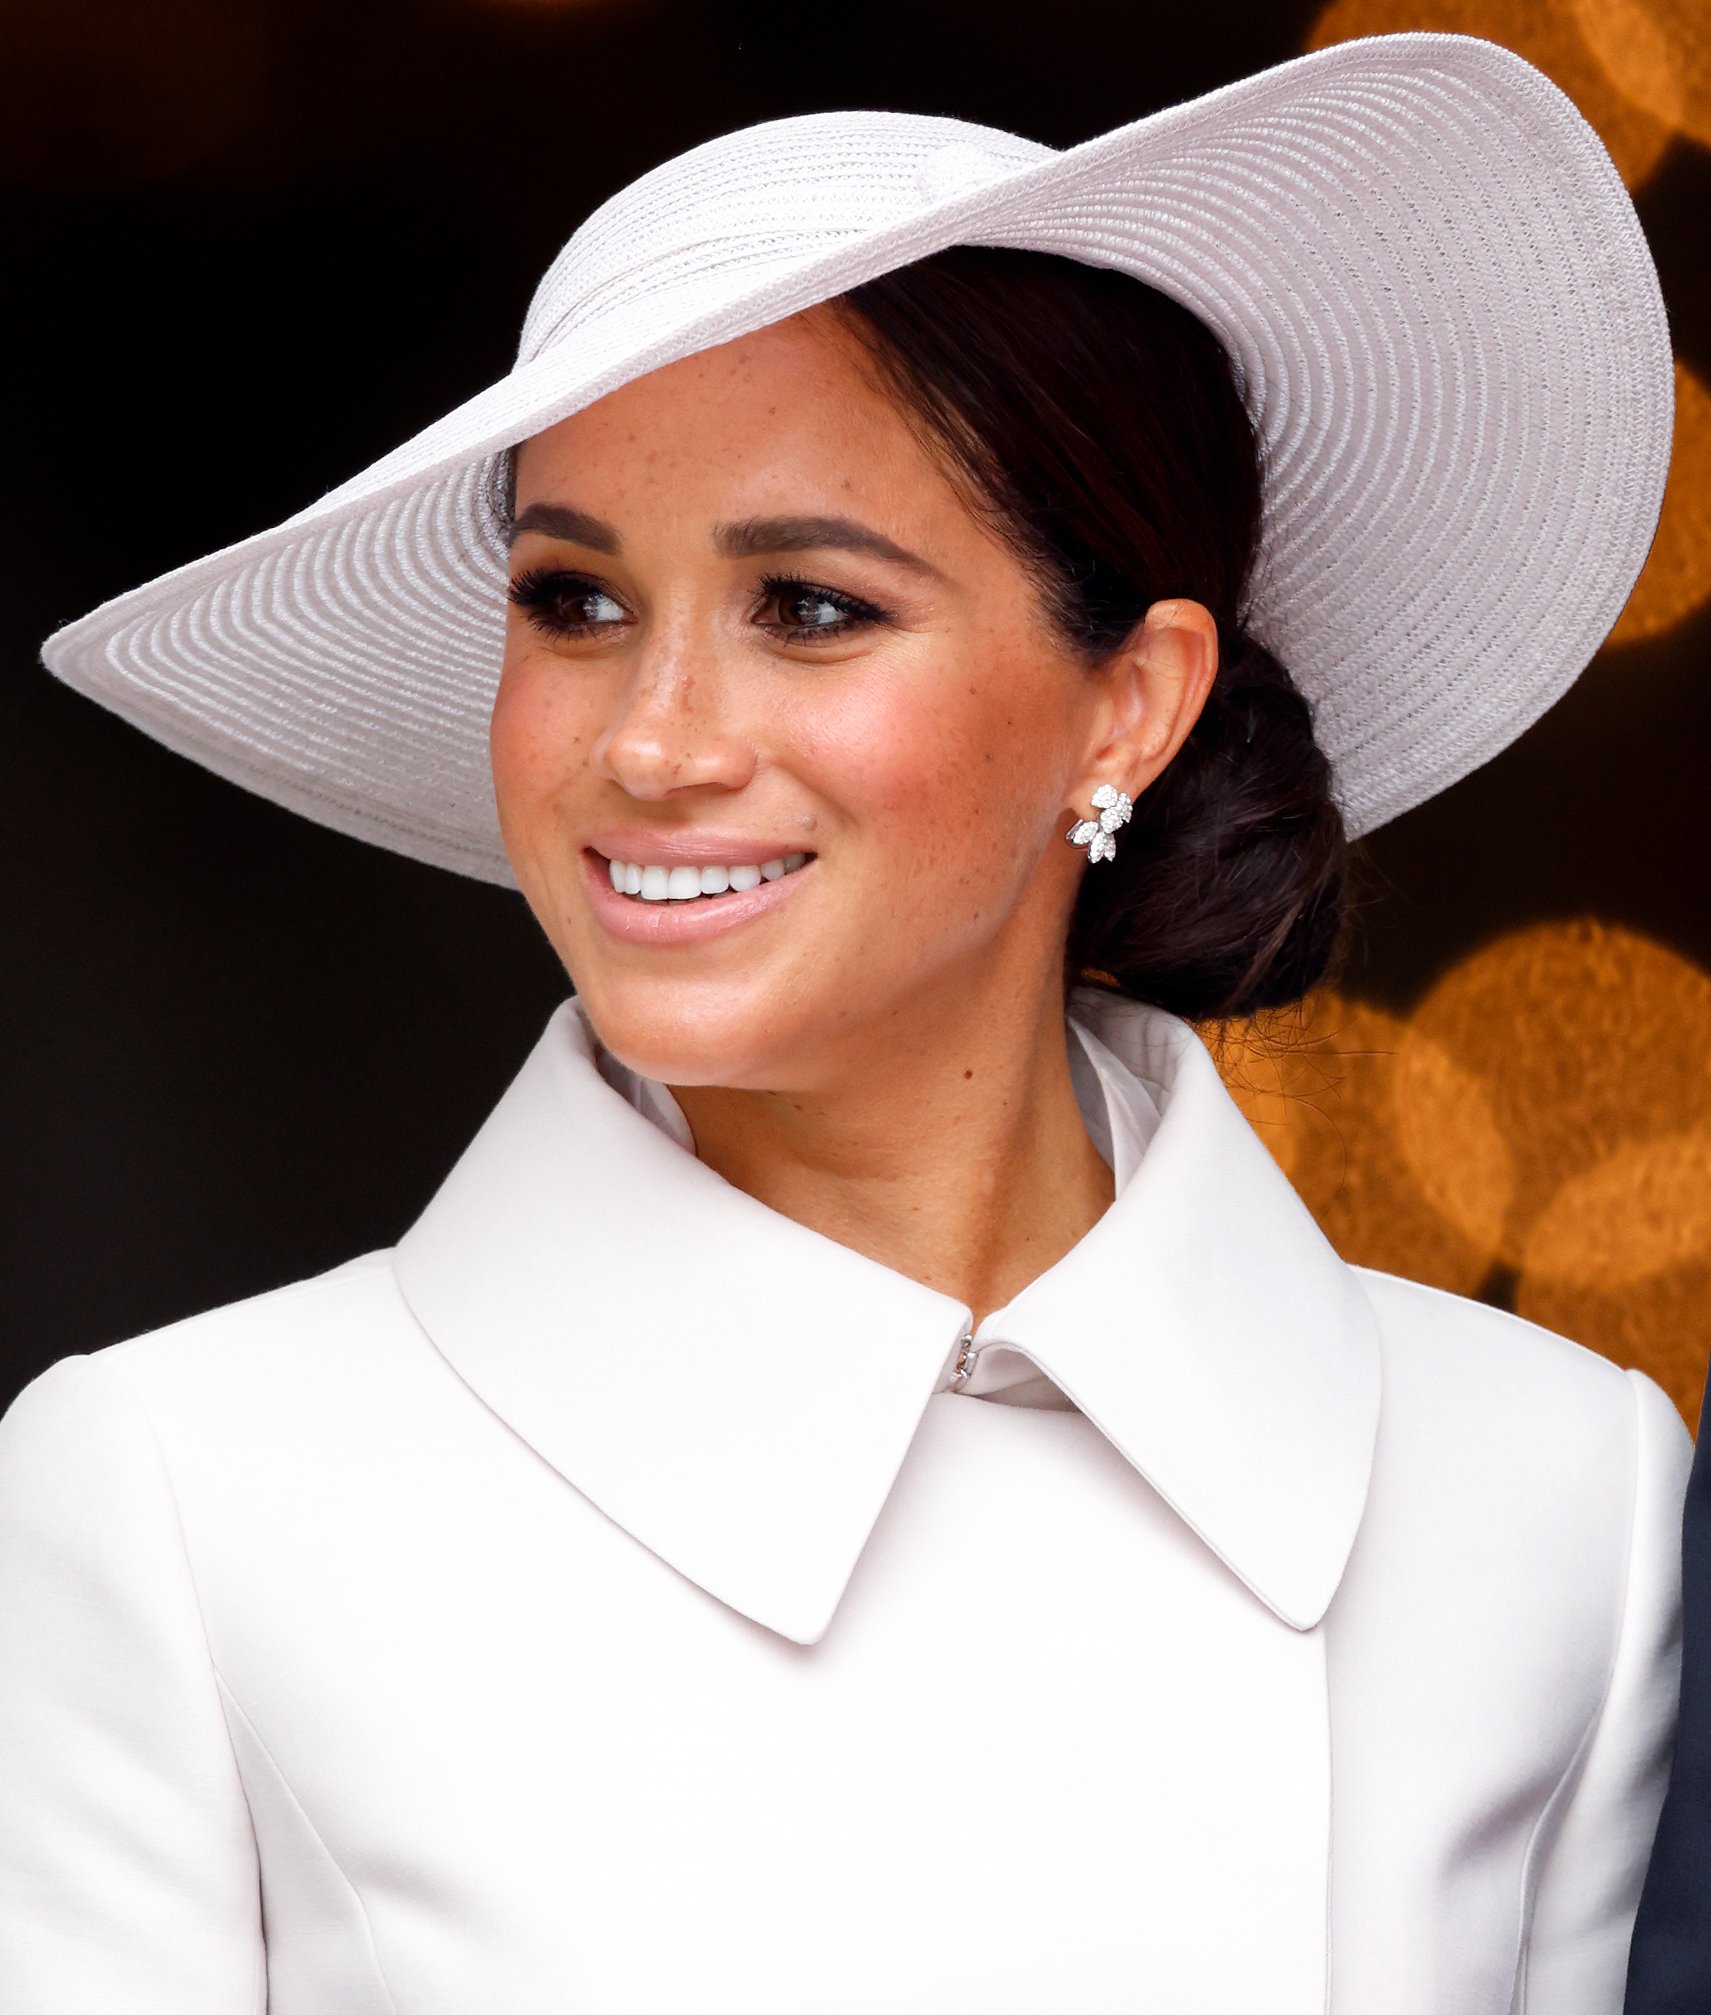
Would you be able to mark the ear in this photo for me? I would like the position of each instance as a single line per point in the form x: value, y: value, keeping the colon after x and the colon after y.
x: 1155, y: 687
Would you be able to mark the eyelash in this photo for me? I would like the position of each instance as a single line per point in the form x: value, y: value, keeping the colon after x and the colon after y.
x: 537, y: 591
x: 853, y: 612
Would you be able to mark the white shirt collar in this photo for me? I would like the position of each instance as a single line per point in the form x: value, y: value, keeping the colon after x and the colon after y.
x: 738, y: 1392
x: 1120, y: 1114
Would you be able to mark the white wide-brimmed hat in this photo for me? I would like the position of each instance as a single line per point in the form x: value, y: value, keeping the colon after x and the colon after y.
x: 1444, y: 318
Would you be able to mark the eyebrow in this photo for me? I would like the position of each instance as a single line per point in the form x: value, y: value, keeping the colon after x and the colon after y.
x: 744, y: 539
x: 562, y: 521
x: 751, y: 536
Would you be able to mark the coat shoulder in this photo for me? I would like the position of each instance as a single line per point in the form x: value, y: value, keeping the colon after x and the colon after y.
x: 337, y: 1323
x: 264, y: 1378
x: 1463, y: 1365
x: 1437, y: 1320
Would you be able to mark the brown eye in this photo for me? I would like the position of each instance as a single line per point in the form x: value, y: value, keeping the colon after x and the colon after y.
x: 805, y: 609
x: 811, y: 612
x: 563, y: 604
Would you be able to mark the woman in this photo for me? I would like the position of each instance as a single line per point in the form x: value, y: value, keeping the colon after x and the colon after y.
x: 866, y: 1487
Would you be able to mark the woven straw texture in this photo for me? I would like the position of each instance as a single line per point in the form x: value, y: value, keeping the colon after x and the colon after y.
x: 1444, y: 316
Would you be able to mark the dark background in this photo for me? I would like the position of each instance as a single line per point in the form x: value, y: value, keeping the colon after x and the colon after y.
x: 253, y: 246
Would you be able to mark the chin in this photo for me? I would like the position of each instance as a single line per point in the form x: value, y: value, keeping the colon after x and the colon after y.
x: 683, y: 1033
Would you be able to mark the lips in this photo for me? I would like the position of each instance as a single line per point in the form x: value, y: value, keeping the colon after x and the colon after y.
x: 680, y: 902
x: 686, y: 882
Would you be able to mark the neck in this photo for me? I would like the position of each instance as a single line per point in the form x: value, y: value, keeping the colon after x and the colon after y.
x: 958, y: 1157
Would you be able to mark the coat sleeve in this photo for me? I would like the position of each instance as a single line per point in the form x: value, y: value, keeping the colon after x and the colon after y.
x: 128, y: 1874
x: 1669, y: 1969
x: 1600, y: 1832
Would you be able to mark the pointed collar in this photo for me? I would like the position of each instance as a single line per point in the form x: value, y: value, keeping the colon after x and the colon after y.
x: 738, y: 1392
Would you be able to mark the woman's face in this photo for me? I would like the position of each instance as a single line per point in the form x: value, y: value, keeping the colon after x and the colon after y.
x: 759, y: 648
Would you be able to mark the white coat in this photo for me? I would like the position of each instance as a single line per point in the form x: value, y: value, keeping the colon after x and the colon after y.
x: 602, y: 1602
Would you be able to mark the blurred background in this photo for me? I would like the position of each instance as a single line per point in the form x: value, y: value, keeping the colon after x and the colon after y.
x: 254, y: 243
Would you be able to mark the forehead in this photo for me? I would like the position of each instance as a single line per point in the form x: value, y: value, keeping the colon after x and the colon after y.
x: 804, y: 377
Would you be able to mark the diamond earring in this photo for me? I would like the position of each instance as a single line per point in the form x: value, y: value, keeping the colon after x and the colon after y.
x: 1115, y: 808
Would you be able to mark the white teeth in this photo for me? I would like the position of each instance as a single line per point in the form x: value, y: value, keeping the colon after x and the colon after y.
x: 682, y: 883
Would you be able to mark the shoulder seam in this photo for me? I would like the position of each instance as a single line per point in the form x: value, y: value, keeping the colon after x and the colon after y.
x: 1530, y: 1864
x: 122, y: 1375
x: 288, y: 1290
x: 223, y: 1687
x: 333, y: 1862
x: 1487, y: 1308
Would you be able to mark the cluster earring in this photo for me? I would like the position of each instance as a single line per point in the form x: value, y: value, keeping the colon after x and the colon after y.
x: 1097, y: 835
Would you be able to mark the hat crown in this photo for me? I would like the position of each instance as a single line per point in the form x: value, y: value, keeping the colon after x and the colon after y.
x: 718, y: 216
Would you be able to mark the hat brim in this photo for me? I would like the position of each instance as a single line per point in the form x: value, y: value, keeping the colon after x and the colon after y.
x: 1443, y: 314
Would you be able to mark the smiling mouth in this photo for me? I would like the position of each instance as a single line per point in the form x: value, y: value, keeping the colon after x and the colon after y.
x: 650, y: 882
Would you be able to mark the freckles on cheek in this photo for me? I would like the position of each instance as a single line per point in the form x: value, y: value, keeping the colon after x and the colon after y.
x: 928, y: 822
x: 538, y: 746
x: 881, y: 753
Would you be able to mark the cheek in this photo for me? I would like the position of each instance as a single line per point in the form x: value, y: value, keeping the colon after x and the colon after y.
x: 538, y: 739
x: 951, y: 778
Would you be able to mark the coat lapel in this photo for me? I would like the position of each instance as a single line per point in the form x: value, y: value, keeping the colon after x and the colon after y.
x: 1211, y: 1331
x: 733, y: 1389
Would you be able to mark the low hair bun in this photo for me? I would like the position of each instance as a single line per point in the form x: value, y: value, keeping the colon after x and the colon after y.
x: 1229, y: 889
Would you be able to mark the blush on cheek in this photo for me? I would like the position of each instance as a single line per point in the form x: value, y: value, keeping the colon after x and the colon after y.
x: 948, y: 782
x: 512, y: 735
x: 536, y: 742
x: 893, y: 749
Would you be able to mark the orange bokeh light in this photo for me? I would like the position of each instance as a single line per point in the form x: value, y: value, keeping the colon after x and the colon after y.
x: 1677, y: 575
x: 1546, y: 1111
x: 1548, y: 33
x: 1657, y: 53
x: 1318, y: 1086
x: 1620, y: 1259
x: 1661, y: 1325
x: 1569, y: 1042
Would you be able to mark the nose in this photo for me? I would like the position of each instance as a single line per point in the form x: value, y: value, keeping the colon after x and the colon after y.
x: 675, y: 730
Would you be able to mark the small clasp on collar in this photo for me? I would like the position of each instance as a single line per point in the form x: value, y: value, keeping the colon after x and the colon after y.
x: 965, y: 1356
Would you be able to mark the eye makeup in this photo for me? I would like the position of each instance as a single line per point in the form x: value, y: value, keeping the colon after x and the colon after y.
x: 549, y: 596
x: 854, y: 613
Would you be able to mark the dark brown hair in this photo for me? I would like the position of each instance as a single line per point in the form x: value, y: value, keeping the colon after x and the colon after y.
x: 1097, y: 425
